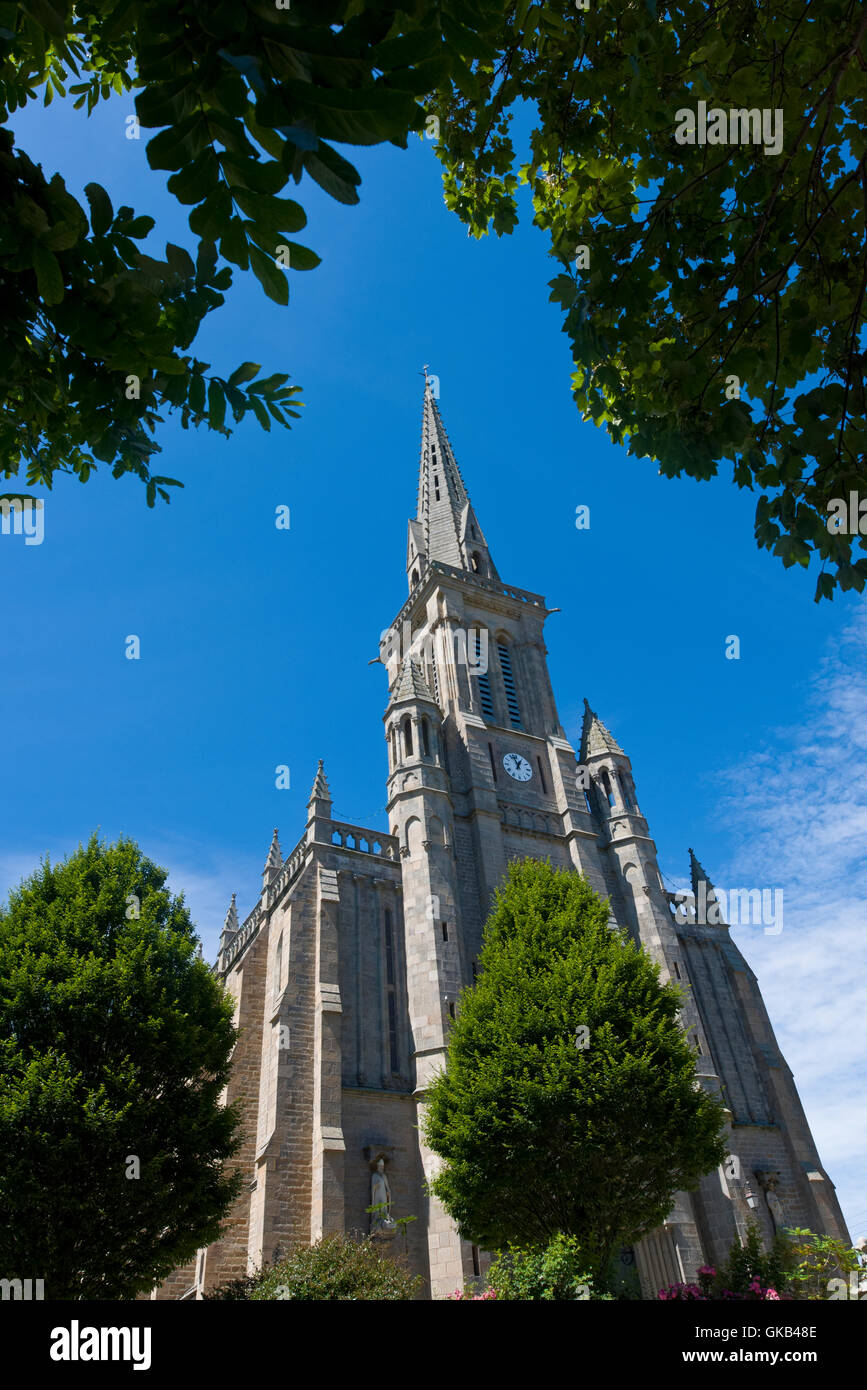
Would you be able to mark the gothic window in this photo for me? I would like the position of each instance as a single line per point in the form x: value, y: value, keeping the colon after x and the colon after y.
x: 278, y: 966
x: 425, y: 741
x: 436, y: 488
x: 435, y: 676
x: 389, y: 948
x: 445, y: 927
x: 476, y: 562
x: 625, y: 791
x: 393, y: 746
x: 451, y: 1010
x: 587, y: 800
x: 407, y: 737
x: 605, y: 782
x: 394, y: 1061
x: 414, y: 578
x: 509, y: 685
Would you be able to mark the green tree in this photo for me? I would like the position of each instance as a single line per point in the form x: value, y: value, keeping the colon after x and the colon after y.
x: 546, y: 1128
x: 244, y: 98
x: 814, y: 1261
x: 336, y: 1268
x: 717, y: 312
x: 115, y: 1041
x: 555, y: 1272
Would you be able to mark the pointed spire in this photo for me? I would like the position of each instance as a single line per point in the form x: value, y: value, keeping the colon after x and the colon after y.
x: 319, y: 808
x: 411, y: 684
x: 230, y: 926
x: 319, y: 791
x: 708, y: 909
x: 274, y: 862
x: 595, y: 738
x: 446, y: 527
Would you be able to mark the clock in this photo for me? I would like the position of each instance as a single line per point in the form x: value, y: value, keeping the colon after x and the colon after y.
x: 517, y: 767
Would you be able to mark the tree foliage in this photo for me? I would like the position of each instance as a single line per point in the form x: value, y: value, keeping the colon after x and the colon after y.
x: 539, y: 1134
x: 709, y: 264
x: 115, y: 1041
x: 556, y: 1272
x: 237, y: 100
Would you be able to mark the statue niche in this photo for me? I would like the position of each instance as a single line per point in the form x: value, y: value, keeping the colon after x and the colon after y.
x: 382, y: 1225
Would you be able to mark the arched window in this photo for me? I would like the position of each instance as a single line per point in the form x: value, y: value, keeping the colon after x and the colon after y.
x: 425, y: 742
x: 605, y: 782
x: 393, y: 746
x: 414, y: 578
x: 625, y: 791
x: 407, y: 737
x: 476, y: 562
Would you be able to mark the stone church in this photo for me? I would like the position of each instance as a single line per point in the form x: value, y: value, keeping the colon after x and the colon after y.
x: 348, y: 971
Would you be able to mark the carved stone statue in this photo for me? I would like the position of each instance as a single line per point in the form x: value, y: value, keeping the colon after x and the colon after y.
x: 381, y: 1223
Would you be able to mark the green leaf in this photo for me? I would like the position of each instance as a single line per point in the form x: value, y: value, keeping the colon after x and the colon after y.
x: 196, y: 394
x: 233, y: 244
x: 333, y: 173
x: 210, y: 220
x: 273, y: 216
x: 216, y: 405
x: 48, y: 274
x: 271, y: 278
x: 195, y: 181
x: 300, y: 257
x: 101, y: 211
x: 245, y: 372
x: 260, y: 412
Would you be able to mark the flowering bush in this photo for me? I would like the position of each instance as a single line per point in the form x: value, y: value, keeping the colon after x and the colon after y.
x: 749, y: 1273
x: 464, y: 1296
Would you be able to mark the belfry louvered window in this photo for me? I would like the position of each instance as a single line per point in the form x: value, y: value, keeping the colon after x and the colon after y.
x: 485, y: 697
x: 509, y: 686
x: 435, y: 674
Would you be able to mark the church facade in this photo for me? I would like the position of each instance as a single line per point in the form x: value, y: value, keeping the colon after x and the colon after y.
x: 347, y: 973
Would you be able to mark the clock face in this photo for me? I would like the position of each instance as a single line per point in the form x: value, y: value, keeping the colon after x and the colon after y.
x: 517, y: 767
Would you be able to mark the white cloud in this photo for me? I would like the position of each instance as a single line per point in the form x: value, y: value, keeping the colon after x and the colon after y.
x: 799, y: 821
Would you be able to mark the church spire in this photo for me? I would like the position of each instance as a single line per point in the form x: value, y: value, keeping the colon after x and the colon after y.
x: 446, y: 527
x: 595, y: 738
x: 319, y: 791
x: 274, y: 862
x: 230, y: 926
x: 707, y: 906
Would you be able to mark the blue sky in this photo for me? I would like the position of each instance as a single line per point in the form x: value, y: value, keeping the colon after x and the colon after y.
x: 255, y: 642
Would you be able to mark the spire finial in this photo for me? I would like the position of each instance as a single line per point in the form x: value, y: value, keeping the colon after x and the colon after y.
x: 595, y: 738
x: 319, y: 791
x: 275, y: 857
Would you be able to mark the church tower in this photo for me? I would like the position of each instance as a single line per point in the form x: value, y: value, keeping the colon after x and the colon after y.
x: 347, y: 972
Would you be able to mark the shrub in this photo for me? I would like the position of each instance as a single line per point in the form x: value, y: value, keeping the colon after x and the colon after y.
x: 555, y: 1272
x: 335, y: 1268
